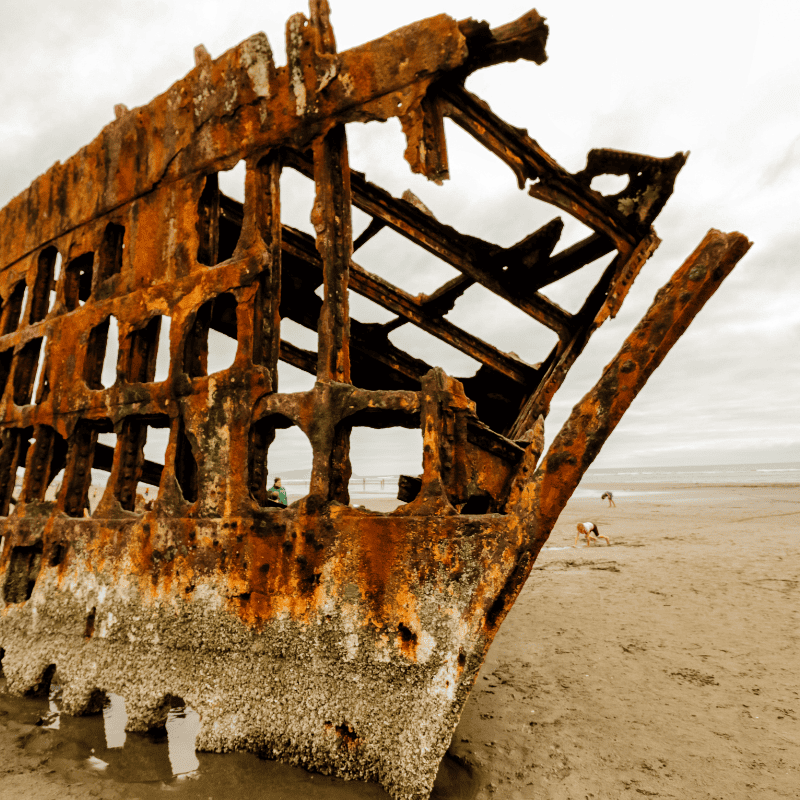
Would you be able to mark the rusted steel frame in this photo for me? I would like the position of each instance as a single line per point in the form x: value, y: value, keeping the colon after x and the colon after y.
x: 399, y: 302
x: 300, y: 245
x: 373, y: 229
x: 443, y: 411
x: 603, y: 301
x: 341, y: 400
x: 650, y: 182
x: 536, y: 503
x: 44, y: 462
x: 305, y: 360
x: 465, y: 253
x: 370, y: 341
x: 423, y: 122
x: 74, y: 396
x: 408, y: 306
x: 426, y: 148
x: 321, y: 23
x: 570, y: 260
x: 37, y: 465
x: 104, y: 460
x: 462, y: 457
x: 12, y: 307
x: 81, y: 445
x: 364, y: 343
x: 276, y: 585
x: 523, y: 262
x: 482, y: 436
x: 521, y: 259
x: 208, y: 221
x: 244, y: 105
x: 526, y: 466
x: 262, y: 188
x: 526, y: 38
x: 520, y: 262
x: 367, y: 341
x: 13, y: 451
x: 48, y: 449
x: 594, y: 418
x: 529, y: 162
x: 444, y: 298
x: 25, y: 333
x: 331, y: 218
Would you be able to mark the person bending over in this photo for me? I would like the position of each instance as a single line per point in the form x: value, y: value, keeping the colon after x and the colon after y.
x: 610, y: 497
x: 590, y: 531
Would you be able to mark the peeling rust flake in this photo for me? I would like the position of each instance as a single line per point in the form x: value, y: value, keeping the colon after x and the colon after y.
x: 323, y: 634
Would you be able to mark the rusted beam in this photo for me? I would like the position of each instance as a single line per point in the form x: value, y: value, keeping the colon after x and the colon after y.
x: 244, y: 104
x: 334, y: 243
x: 104, y: 459
x: 596, y: 416
x: 369, y: 350
x: 485, y: 438
x: 373, y: 229
x: 305, y: 360
x: 426, y: 151
x: 514, y: 265
x: 465, y: 253
x: 526, y: 255
x: 444, y: 298
x: 262, y: 188
x: 573, y: 258
x: 538, y: 497
x: 410, y: 308
x: 529, y: 161
x: 604, y: 300
x: 620, y: 221
x: 373, y: 356
x: 524, y: 38
x: 371, y: 342
x: 399, y: 302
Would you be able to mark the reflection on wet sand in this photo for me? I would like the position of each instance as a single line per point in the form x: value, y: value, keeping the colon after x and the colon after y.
x: 114, y: 720
x: 183, y: 725
x: 96, y: 750
x: 131, y: 758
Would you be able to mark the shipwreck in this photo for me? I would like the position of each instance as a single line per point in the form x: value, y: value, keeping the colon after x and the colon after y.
x: 321, y: 634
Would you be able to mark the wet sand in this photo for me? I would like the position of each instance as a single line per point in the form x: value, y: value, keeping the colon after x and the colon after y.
x: 665, y: 665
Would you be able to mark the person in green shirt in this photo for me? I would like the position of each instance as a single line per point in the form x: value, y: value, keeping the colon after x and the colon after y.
x: 278, y: 490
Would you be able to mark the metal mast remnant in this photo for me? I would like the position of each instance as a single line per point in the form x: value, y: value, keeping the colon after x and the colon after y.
x: 321, y: 634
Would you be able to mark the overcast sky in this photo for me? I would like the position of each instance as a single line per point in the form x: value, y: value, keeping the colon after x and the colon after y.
x: 720, y: 80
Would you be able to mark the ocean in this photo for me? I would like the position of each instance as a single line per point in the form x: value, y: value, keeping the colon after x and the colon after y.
x: 734, y: 474
x: 611, y: 478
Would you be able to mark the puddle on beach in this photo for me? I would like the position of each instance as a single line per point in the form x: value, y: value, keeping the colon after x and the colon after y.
x: 97, y: 748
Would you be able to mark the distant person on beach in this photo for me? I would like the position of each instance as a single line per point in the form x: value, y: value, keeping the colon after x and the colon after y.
x: 590, y: 531
x: 143, y: 501
x: 278, y: 491
x: 610, y: 497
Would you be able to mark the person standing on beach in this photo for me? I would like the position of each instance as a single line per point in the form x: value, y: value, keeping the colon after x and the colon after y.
x: 277, y: 489
x: 610, y: 497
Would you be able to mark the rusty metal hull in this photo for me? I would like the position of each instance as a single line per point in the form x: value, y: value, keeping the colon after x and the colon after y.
x: 361, y: 670
x: 321, y: 634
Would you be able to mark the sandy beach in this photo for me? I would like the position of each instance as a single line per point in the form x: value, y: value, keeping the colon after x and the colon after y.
x: 663, y: 666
